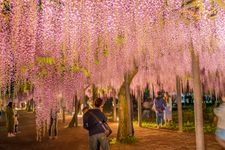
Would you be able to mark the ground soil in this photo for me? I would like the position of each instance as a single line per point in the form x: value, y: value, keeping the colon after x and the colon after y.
x: 77, y: 138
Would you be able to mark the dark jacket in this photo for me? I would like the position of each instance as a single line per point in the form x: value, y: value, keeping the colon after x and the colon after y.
x: 10, y: 119
x: 160, y: 104
x: 91, y: 124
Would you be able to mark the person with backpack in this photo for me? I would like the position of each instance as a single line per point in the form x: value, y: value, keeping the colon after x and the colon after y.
x: 159, y: 106
x: 93, y: 121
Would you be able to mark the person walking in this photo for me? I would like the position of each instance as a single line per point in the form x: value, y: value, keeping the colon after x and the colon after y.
x: 220, y: 131
x: 10, y: 119
x: 159, y: 105
x: 97, y: 136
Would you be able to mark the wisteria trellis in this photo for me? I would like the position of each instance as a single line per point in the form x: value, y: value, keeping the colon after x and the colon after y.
x: 63, y: 45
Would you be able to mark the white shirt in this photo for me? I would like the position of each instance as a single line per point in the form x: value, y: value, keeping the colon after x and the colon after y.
x: 220, y: 113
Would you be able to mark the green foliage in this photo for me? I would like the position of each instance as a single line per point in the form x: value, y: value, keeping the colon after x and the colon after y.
x: 85, y: 72
x: 187, y: 126
x: 96, y: 58
x: 128, y: 140
x: 105, y: 51
x: 97, y: 62
x: 45, y: 60
x: 77, y: 68
x: 112, y: 141
x: 209, y: 128
x: 120, y: 39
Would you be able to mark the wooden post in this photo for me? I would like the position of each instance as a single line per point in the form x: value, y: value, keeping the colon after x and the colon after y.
x: 179, y: 104
x: 139, y: 108
x: 200, y: 145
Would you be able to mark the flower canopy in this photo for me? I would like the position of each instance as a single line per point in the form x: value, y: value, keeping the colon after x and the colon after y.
x: 61, y: 46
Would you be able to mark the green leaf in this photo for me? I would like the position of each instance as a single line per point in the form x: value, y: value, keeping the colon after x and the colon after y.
x: 120, y: 39
x: 45, y: 60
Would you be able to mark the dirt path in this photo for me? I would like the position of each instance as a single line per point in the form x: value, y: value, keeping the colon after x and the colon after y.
x: 76, y: 139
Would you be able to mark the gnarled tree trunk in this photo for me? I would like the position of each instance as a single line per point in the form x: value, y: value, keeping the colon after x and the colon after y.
x: 125, y: 128
x: 74, y: 121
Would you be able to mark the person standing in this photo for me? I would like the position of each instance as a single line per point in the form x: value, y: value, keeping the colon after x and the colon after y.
x: 97, y: 136
x: 16, y: 122
x: 10, y: 119
x: 159, y: 105
x: 146, y: 108
x: 220, y: 131
x: 168, y: 108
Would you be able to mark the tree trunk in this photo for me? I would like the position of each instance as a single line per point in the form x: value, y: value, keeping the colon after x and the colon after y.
x: 179, y: 104
x: 125, y: 129
x: 129, y: 103
x: 114, y: 109
x: 139, y: 108
x: 94, y: 92
x: 63, y: 115
x: 74, y: 120
x: 153, y: 92
x: 200, y: 145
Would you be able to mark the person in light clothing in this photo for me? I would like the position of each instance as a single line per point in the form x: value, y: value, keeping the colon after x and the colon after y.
x: 220, y: 131
x: 16, y: 122
x: 168, y: 109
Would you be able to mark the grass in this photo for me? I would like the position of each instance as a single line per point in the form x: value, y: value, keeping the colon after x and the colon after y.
x: 188, y: 120
x: 187, y: 126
